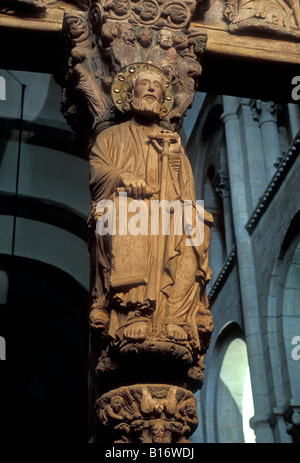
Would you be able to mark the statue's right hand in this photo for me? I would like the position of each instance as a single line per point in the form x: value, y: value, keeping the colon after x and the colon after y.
x: 134, y: 185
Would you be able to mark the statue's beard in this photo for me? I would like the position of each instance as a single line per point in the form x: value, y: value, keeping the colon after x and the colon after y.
x: 146, y: 105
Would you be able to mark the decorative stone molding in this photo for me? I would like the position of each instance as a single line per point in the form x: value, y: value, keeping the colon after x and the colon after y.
x: 222, y: 277
x: 283, y: 168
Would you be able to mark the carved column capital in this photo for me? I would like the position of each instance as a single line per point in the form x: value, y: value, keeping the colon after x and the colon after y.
x: 147, y: 413
x: 222, y: 186
x: 264, y: 111
x: 110, y: 35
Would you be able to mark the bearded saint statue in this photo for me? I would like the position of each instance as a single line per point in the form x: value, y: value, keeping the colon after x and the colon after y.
x: 146, y: 286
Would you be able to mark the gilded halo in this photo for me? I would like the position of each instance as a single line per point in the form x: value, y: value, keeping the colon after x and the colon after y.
x: 122, y: 80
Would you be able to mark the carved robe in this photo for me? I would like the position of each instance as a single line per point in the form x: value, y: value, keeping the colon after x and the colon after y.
x: 127, y: 147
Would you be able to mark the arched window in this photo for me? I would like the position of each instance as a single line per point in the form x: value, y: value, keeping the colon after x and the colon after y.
x: 234, y: 395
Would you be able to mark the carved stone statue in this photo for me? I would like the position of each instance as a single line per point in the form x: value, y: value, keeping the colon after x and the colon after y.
x: 148, y: 286
x: 281, y: 17
x: 164, y: 55
x: 123, y: 49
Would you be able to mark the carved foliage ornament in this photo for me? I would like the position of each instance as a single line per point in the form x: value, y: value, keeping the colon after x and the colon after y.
x: 275, y: 17
x: 147, y: 414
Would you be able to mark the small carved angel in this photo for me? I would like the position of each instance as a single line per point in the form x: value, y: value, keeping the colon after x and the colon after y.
x: 119, y: 407
x: 187, y: 413
x: 153, y: 405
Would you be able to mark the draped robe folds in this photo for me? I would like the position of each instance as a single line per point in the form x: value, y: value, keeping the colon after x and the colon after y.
x: 127, y: 148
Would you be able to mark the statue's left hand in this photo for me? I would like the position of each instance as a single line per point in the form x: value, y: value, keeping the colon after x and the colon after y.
x: 175, y: 147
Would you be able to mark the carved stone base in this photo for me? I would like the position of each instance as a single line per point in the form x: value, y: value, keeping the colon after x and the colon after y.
x: 146, y: 413
x: 149, y: 361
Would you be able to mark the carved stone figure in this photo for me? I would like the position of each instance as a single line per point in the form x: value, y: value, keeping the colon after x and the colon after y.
x: 281, y: 17
x: 124, y: 50
x: 83, y: 88
x: 144, y: 37
x: 164, y: 55
x: 162, y: 291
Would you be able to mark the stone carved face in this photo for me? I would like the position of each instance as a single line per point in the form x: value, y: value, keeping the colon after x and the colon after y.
x: 116, y: 403
x: 149, y: 86
x: 148, y: 93
x: 76, y: 27
x: 165, y: 38
x: 157, y: 432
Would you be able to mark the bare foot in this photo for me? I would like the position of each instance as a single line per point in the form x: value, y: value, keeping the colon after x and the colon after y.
x: 136, y: 331
x: 176, y: 332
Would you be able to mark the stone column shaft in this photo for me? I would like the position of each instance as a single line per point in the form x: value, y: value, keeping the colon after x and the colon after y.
x: 270, y: 137
x: 246, y: 271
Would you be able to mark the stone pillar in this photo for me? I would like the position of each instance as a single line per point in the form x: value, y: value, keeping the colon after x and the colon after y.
x: 246, y: 270
x: 130, y: 78
x: 252, y: 153
x: 266, y: 114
